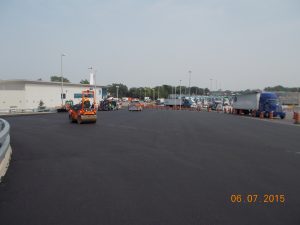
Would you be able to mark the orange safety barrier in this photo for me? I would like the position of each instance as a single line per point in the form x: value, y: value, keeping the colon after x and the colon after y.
x: 297, y: 118
x: 271, y: 115
x: 261, y: 115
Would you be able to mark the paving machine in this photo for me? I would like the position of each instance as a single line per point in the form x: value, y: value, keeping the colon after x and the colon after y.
x: 86, y: 110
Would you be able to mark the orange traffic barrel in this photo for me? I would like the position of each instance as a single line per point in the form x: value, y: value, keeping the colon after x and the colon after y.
x: 261, y: 115
x: 297, y: 118
x: 271, y: 115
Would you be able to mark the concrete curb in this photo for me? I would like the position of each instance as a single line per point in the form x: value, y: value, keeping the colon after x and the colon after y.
x: 5, y: 163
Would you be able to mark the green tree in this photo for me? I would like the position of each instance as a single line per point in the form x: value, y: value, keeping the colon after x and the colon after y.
x: 58, y: 79
x: 122, y: 90
x: 84, y: 81
x: 281, y: 88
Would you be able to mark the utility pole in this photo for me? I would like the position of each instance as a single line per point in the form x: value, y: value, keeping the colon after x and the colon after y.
x: 117, y: 92
x: 62, y: 79
x: 190, y: 72
x: 180, y: 95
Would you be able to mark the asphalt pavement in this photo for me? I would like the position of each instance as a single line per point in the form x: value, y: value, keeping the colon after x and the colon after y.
x: 151, y: 168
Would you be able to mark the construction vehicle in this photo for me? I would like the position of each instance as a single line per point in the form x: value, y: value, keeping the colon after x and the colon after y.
x: 66, y: 107
x: 85, y: 111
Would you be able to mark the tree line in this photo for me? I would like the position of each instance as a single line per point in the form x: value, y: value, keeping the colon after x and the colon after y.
x: 164, y: 90
x: 281, y: 88
x: 156, y: 92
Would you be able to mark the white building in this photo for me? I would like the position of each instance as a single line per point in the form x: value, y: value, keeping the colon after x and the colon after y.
x: 25, y: 94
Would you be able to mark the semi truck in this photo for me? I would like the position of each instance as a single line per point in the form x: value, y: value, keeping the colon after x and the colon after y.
x: 257, y: 103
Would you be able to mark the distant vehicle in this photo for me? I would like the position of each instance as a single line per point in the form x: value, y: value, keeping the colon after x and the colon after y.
x: 66, y: 107
x: 160, y: 101
x: 185, y: 102
x: 135, y: 106
x: 147, y: 99
x: 173, y: 102
x: 69, y: 104
x: 84, y: 111
x: 124, y: 99
x: 256, y: 103
x: 108, y: 105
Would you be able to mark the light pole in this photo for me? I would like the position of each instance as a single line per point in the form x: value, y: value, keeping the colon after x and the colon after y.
x: 180, y: 94
x: 62, y: 79
x: 210, y: 85
x: 117, y: 92
x: 153, y: 94
x: 172, y: 92
x: 190, y: 73
x: 175, y: 96
x: 140, y: 93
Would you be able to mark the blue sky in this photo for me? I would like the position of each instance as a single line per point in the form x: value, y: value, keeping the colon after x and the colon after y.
x: 238, y: 43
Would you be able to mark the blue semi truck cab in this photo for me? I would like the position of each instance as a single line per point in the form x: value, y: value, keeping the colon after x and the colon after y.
x: 269, y: 102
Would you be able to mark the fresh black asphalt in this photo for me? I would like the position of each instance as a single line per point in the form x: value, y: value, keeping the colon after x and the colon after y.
x: 150, y: 168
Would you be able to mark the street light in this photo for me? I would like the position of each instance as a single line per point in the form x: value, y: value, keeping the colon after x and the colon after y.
x: 140, y: 93
x: 117, y: 92
x: 175, y: 96
x: 190, y: 72
x: 153, y: 94
x: 180, y: 95
x: 62, y: 79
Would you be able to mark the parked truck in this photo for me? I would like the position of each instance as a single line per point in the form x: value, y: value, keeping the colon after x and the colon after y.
x: 184, y: 102
x: 256, y: 103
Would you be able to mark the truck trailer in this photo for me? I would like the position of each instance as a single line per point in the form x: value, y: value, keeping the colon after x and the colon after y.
x: 256, y: 103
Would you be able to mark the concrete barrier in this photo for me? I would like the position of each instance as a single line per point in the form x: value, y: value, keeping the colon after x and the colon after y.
x: 5, y: 149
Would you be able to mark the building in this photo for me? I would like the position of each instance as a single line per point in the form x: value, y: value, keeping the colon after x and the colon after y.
x: 25, y: 94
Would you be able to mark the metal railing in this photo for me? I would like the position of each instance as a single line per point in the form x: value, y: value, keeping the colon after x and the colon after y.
x: 5, y: 149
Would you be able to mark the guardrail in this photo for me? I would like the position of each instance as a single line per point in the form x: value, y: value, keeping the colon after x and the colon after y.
x: 5, y: 149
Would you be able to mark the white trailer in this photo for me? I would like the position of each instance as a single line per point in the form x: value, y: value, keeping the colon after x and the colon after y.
x: 247, y: 102
x: 173, y: 102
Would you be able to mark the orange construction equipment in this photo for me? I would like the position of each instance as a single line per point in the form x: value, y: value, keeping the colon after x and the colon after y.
x: 84, y: 111
x: 297, y: 118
